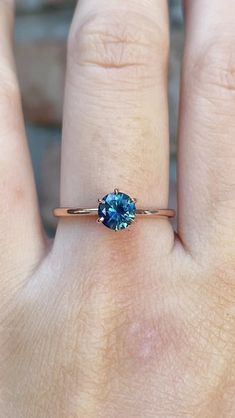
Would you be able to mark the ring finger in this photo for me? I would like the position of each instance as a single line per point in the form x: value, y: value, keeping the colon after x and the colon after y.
x: 116, y: 115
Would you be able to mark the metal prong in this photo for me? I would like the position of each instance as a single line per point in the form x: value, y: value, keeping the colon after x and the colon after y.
x: 101, y: 201
x: 134, y: 200
x: 116, y: 191
x: 132, y: 225
x: 100, y: 220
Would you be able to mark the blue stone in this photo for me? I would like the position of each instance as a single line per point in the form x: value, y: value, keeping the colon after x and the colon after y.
x: 118, y: 210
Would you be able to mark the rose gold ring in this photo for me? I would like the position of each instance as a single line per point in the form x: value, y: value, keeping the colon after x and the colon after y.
x: 116, y: 211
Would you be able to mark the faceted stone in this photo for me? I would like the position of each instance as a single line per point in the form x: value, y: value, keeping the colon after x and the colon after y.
x: 117, y: 210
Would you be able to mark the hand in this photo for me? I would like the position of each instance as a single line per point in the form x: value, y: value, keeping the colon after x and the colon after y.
x: 139, y: 323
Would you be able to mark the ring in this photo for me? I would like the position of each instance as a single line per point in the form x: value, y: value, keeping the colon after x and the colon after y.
x: 116, y: 211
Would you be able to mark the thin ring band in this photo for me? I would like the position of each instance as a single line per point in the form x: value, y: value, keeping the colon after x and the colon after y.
x: 73, y: 212
x: 116, y: 211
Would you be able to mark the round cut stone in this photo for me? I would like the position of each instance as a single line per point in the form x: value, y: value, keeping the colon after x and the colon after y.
x: 117, y: 210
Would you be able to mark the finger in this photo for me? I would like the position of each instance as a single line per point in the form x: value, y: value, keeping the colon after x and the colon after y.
x: 21, y: 238
x: 116, y: 118
x: 207, y: 129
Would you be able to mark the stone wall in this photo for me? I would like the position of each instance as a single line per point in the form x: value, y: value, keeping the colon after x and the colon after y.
x: 40, y: 46
x: 38, y: 5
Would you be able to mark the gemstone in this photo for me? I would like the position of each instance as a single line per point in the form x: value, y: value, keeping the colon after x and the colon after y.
x: 117, y: 210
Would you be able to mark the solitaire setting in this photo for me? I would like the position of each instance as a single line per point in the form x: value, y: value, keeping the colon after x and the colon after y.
x: 117, y: 210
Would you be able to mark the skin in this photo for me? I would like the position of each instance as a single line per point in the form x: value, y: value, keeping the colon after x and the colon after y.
x: 140, y: 323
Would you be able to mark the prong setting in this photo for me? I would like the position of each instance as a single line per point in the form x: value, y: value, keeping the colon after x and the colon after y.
x: 101, y: 201
x: 116, y: 210
x: 100, y: 220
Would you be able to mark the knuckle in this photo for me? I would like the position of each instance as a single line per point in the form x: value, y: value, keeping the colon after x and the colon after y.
x: 130, y: 338
x: 214, y: 67
x: 122, y: 42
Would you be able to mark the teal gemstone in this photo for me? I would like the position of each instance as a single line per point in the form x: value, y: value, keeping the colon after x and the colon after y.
x: 117, y: 211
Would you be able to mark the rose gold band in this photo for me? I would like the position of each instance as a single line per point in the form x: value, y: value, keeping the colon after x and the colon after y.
x: 159, y: 213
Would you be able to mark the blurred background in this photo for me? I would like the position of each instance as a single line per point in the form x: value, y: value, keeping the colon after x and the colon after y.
x: 40, y: 45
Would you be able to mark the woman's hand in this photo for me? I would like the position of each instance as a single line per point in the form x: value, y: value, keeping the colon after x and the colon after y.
x: 139, y: 323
